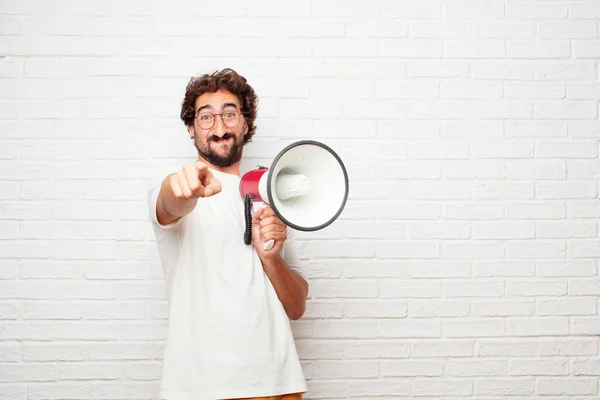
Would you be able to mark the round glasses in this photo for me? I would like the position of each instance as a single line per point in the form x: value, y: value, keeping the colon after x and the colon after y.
x: 206, y: 120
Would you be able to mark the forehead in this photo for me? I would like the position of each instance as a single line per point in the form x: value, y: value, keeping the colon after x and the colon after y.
x: 217, y: 100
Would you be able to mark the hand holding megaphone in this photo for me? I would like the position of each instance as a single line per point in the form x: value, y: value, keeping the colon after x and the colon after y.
x: 268, y: 231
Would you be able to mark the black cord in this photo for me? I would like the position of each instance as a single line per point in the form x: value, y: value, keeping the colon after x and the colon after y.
x: 248, y: 215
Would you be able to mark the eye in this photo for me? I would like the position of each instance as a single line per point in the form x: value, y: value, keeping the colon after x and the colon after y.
x: 205, y: 117
x: 229, y: 114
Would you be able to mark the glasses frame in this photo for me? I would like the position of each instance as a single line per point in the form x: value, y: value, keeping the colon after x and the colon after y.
x: 239, y: 113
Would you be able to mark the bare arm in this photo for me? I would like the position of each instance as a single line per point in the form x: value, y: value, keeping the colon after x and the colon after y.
x: 291, y: 288
x: 181, y: 190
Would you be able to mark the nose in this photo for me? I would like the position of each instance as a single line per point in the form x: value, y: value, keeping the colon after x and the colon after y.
x: 219, y: 127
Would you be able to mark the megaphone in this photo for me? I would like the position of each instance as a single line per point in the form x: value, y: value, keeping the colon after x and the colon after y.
x: 306, y: 186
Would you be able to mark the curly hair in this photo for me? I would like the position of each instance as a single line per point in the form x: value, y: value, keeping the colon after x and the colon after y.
x: 226, y: 79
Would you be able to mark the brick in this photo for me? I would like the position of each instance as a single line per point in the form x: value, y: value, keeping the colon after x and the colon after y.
x: 378, y: 387
x: 435, y: 269
x: 583, y: 287
x: 471, y: 368
x: 375, y: 309
x: 532, y: 129
x: 586, y: 49
x: 28, y: 373
x: 347, y: 369
x: 503, y: 230
x: 437, y: 308
x: 550, y: 326
x: 472, y: 129
x: 412, y: 48
x: 572, y: 306
x: 538, y: 368
x: 442, y: 348
x: 503, y: 308
x: 585, y: 326
x: 420, y: 249
x: 411, y: 170
x: 411, y: 9
x: 409, y: 288
x: 411, y: 368
x: 488, y: 169
x: 568, y: 347
x: 536, y: 210
x: 538, y: 49
x: 536, y: 288
x: 568, y: 30
x: 413, y: 328
x: 339, y: 288
x: 474, y: 211
x: 474, y: 48
x: 472, y: 250
x: 567, y: 386
x: 472, y: 328
x: 531, y: 10
x: 505, y: 386
x: 85, y: 371
x: 468, y: 89
x: 375, y: 349
x: 586, y: 367
x: 567, y: 268
x: 328, y: 329
x: 540, y: 249
x: 507, y: 268
x: 584, y: 248
x: 501, y: 190
x: 441, y: 387
x: 506, y: 348
x: 10, y: 352
x: 559, y: 229
x: 144, y: 371
x: 475, y: 10
x: 473, y: 289
x: 567, y: 71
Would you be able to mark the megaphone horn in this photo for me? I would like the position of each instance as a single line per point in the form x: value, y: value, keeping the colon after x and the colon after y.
x: 306, y: 186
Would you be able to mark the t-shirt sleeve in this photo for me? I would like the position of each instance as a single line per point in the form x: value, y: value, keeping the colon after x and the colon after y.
x: 154, y: 186
x: 291, y: 254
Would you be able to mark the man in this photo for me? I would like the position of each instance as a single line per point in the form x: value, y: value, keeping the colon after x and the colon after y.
x: 230, y: 304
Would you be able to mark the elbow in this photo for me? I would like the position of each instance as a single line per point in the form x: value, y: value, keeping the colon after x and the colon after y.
x: 297, y: 312
x: 296, y: 315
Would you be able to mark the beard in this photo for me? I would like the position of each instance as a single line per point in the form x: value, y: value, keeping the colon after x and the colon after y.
x: 206, y: 151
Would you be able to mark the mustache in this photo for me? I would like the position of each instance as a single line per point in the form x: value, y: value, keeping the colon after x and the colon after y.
x: 214, y: 138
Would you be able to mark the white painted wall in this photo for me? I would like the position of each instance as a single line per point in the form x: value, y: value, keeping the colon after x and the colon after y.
x: 465, y: 263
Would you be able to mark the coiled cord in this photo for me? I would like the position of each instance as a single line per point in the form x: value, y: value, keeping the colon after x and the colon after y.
x: 248, y: 215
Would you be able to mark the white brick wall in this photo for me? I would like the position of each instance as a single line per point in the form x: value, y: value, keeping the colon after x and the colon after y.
x: 465, y: 264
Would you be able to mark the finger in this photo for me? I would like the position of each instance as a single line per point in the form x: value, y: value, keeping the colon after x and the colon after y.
x: 191, y: 175
x: 176, y: 187
x: 213, y: 187
x: 257, y: 214
x: 273, y: 232
x: 268, y: 212
x: 273, y: 235
x: 183, y: 184
x: 271, y: 221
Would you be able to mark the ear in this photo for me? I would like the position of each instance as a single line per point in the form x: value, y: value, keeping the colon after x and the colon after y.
x: 245, y: 128
x: 191, y: 131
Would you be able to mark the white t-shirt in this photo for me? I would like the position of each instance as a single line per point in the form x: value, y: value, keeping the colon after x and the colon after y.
x: 229, y: 335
